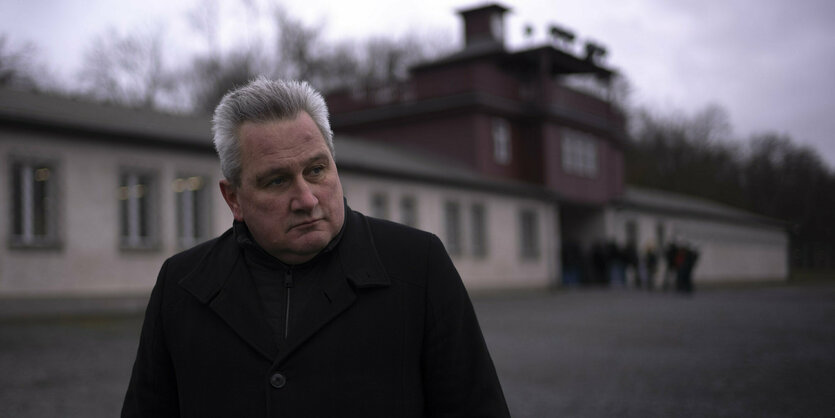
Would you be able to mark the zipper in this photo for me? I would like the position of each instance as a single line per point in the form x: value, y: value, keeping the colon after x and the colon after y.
x: 288, y: 284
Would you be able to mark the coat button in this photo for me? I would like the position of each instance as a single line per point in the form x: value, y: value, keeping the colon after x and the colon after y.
x: 277, y: 380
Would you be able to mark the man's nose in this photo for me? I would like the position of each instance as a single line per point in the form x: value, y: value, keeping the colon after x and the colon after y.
x: 303, y: 198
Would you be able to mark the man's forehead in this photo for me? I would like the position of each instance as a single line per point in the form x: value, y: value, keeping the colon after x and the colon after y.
x: 302, y: 127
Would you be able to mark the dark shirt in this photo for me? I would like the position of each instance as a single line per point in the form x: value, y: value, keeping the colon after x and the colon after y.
x: 284, y: 289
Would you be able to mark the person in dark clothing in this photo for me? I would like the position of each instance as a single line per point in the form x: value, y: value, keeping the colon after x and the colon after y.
x: 599, y: 263
x: 305, y: 307
x: 631, y: 261
x: 686, y: 260
x: 572, y: 263
x: 651, y: 264
x: 670, y: 272
x: 616, y: 264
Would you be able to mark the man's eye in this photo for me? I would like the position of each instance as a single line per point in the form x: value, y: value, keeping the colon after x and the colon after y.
x: 276, y: 181
x: 317, y: 170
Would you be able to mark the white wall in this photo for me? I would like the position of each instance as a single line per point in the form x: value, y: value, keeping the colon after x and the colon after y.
x: 503, y: 267
x: 737, y: 252
x: 728, y: 251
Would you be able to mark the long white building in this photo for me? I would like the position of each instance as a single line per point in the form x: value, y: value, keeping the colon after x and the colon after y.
x: 97, y: 197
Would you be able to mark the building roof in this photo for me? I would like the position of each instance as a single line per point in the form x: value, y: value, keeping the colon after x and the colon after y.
x: 527, y: 60
x: 496, y: 7
x: 72, y: 115
x: 676, y: 204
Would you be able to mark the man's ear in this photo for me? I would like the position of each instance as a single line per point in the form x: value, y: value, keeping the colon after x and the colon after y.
x: 230, y: 195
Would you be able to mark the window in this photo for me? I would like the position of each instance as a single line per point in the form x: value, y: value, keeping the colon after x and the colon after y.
x: 501, y: 141
x: 452, y: 223
x: 579, y: 154
x: 136, y: 210
x: 497, y: 26
x: 590, y: 84
x: 408, y: 211
x: 479, y: 230
x: 192, y: 210
x: 529, y: 234
x: 380, y: 206
x: 34, y: 204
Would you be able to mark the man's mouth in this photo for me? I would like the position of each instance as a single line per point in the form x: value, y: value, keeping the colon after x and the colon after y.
x: 305, y: 224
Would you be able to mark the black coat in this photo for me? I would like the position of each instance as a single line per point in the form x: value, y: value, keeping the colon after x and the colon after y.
x: 392, y: 334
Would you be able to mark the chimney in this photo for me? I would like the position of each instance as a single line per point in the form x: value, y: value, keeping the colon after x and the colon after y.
x: 484, y: 26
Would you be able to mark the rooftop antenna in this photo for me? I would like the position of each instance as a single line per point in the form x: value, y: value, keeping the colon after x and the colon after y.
x: 562, y: 37
x: 528, y: 33
x: 594, y: 51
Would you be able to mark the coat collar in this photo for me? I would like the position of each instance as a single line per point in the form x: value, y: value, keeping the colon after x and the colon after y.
x: 358, y: 253
x: 222, y: 281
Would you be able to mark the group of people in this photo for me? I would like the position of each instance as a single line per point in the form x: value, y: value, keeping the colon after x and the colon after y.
x: 621, y: 266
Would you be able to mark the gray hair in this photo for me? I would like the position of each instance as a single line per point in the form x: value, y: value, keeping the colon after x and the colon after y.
x: 263, y: 100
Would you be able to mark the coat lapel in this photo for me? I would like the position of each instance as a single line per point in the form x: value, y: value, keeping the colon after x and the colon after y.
x: 238, y: 303
x: 222, y: 281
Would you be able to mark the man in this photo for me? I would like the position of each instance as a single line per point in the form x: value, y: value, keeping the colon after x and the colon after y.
x: 305, y: 308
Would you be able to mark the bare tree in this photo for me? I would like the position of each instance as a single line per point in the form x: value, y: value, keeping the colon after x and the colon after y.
x: 687, y: 154
x: 16, y: 65
x: 375, y: 63
x: 298, y: 52
x: 711, y: 124
x: 126, y: 69
x: 387, y: 61
x: 211, y: 78
x: 205, y: 19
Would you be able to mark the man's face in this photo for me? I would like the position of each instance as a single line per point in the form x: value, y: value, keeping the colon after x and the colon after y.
x: 289, y: 195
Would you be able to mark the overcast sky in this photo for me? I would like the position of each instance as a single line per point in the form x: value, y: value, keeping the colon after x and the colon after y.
x: 770, y: 63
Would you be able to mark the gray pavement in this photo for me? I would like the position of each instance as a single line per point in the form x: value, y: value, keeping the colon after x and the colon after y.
x: 764, y: 352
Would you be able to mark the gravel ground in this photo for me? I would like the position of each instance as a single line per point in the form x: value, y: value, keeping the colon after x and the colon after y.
x: 733, y: 353
x: 764, y: 352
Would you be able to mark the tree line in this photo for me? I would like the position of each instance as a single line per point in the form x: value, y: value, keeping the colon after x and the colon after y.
x: 769, y: 174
